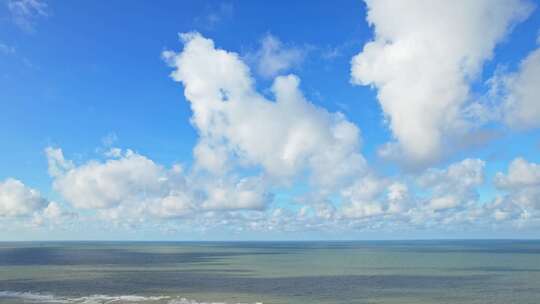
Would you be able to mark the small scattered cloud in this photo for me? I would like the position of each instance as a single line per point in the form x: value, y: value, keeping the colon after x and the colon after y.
x: 6, y: 49
x: 25, y: 12
x: 273, y: 57
x: 215, y: 15
x: 336, y: 51
x: 109, y: 139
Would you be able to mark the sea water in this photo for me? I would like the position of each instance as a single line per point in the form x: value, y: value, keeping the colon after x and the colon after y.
x: 390, y: 272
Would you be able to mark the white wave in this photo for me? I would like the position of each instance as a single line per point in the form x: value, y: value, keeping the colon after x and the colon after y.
x: 32, y: 297
x: 44, y: 298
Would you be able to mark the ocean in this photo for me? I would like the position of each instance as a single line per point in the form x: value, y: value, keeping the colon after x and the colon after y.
x: 389, y: 272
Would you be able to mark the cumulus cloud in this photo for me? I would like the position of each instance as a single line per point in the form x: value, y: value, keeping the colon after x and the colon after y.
x: 105, y: 185
x: 127, y: 184
x: 441, y: 196
x: 520, y: 93
x: 274, y: 58
x: 422, y: 59
x: 522, y: 183
x: 373, y: 196
x: 454, y: 185
x: 54, y: 214
x: 362, y: 197
x: 24, y: 12
x: 521, y: 173
x: 16, y: 199
x: 247, y: 193
x: 285, y: 137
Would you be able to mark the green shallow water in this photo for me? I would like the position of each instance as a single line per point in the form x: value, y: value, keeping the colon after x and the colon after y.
x: 395, y: 272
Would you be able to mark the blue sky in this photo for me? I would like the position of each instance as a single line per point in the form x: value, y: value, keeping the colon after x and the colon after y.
x: 438, y: 134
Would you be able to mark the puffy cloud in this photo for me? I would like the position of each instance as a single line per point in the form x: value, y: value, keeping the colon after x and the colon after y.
x: 454, y: 185
x: 109, y: 184
x: 398, y: 197
x: 131, y: 185
x: 445, y: 190
x: 16, y: 199
x: 522, y: 183
x: 359, y: 209
x: 248, y: 193
x: 422, y: 59
x: 53, y: 214
x: 372, y: 196
x: 361, y: 198
x: 521, y: 173
x: 53, y: 211
x: 285, y: 137
x: 273, y: 58
x: 173, y: 205
x: 440, y: 196
x: 520, y: 93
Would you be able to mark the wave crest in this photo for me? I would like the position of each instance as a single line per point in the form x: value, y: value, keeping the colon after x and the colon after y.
x: 44, y: 298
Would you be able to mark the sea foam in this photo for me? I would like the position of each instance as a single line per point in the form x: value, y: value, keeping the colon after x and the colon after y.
x: 44, y: 298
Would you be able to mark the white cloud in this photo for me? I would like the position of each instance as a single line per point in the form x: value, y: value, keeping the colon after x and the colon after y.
x: 212, y: 157
x: 521, y: 93
x: 274, y: 58
x: 449, y: 191
x: 24, y: 12
x: 53, y: 211
x: 57, y: 164
x: 362, y: 197
x: 423, y: 57
x: 522, y: 184
x: 440, y: 197
x: 16, y: 199
x: 455, y: 185
x: 372, y: 196
x: 174, y: 205
x: 443, y: 202
x: 53, y: 214
x: 129, y: 185
x: 360, y: 209
x: 247, y: 193
x: 521, y: 173
x: 398, y: 197
x: 102, y: 185
x: 237, y: 125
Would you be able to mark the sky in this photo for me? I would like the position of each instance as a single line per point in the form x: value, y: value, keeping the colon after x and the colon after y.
x: 243, y: 120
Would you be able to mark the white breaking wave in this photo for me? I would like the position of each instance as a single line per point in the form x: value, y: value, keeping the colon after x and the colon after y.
x: 42, y: 298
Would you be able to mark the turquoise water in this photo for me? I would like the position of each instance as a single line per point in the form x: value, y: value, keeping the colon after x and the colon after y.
x: 271, y: 272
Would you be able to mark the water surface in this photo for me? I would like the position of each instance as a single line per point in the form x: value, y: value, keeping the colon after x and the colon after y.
x: 393, y: 272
